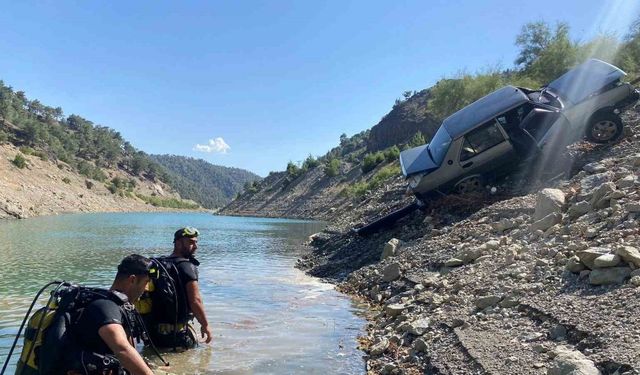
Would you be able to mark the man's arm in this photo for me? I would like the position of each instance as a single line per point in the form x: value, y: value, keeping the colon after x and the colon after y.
x: 116, y: 339
x: 197, y: 307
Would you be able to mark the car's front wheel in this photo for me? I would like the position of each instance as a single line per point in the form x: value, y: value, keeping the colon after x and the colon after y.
x: 604, y: 127
x: 469, y: 185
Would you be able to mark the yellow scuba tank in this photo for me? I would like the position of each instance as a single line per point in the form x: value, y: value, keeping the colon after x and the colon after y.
x: 144, y: 304
x: 33, y: 339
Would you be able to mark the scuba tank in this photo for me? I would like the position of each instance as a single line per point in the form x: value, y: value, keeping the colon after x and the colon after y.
x: 33, y: 339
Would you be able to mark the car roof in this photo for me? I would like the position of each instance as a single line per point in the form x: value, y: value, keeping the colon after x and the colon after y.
x: 483, y: 109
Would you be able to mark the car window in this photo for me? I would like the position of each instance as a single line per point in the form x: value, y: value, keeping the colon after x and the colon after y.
x: 512, y: 118
x: 481, y: 139
x: 467, y: 151
x: 539, y: 122
x: 439, y: 145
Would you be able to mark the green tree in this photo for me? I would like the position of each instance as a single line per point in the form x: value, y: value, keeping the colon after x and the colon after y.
x: 310, y: 162
x: 371, y: 160
x: 545, y: 55
x: 332, y: 168
x: 417, y: 140
x: 293, y: 170
x: 534, y: 38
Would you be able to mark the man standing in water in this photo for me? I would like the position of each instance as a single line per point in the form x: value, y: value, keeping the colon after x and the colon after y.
x: 182, y: 266
x: 105, y: 326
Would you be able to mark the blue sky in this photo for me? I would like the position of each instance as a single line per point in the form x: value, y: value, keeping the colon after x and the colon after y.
x: 272, y: 81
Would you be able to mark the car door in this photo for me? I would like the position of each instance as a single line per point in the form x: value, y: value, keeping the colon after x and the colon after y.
x: 547, y: 127
x: 485, y: 149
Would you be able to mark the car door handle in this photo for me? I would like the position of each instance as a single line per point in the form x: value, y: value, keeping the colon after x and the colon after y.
x: 467, y: 165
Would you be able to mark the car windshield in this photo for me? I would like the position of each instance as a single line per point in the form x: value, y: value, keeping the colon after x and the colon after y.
x: 439, y: 145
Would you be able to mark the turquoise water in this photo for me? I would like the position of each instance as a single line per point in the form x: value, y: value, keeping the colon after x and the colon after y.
x: 267, y: 316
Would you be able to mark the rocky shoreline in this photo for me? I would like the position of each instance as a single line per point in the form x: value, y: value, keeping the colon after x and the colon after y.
x: 542, y: 280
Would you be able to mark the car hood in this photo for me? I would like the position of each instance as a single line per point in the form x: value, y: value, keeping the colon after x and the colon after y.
x: 417, y: 160
x: 587, y: 78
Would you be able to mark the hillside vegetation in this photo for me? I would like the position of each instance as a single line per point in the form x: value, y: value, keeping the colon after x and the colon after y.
x: 361, y: 163
x: 210, y: 185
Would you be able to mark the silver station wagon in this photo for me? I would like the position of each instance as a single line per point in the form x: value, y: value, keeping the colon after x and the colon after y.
x: 515, y: 125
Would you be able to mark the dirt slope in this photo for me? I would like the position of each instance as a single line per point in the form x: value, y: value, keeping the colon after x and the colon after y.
x: 40, y: 189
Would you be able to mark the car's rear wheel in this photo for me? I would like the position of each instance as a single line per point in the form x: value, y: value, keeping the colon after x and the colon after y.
x: 469, y: 185
x: 604, y: 128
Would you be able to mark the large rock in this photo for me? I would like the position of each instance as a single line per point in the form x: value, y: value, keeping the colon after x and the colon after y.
x: 626, y: 182
x: 379, y: 348
x: 606, y: 260
x: 575, y: 265
x: 632, y: 207
x: 571, y: 362
x: 590, y: 183
x: 487, y: 301
x: 630, y: 255
x: 594, y: 168
x: 394, y: 309
x: 579, y: 209
x: 546, y: 222
x: 454, y: 262
x: 419, y: 345
x: 504, y: 224
x: 390, y: 248
x: 597, y: 199
x: 607, y: 276
x: 548, y: 201
x: 12, y: 210
x: 418, y: 327
x: 391, y: 272
x: 470, y: 254
x: 589, y: 256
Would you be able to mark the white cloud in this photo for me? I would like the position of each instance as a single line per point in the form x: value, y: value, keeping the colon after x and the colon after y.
x: 214, y: 145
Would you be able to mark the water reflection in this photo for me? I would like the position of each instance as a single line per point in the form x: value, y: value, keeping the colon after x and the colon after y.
x: 267, y: 316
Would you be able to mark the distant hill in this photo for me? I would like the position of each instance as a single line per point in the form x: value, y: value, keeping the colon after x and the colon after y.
x: 210, y: 185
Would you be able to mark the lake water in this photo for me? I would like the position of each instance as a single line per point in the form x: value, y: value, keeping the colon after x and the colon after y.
x: 267, y: 317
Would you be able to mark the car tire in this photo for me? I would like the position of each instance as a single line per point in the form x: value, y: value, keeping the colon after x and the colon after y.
x: 469, y: 185
x: 604, y: 127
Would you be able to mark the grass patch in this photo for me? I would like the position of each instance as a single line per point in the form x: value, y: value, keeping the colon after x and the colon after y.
x: 167, y: 202
x: 359, y: 189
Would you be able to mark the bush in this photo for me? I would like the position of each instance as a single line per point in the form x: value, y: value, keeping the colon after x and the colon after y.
x: 251, y: 187
x: 66, y: 180
x: 361, y: 188
x: 392, y: 153
x: 293, y: 171
x: 310, y: 163
x: 371, y: 161
x: 332, y: 168
x: 27, y: 150
x: 87, y: 169
x: 112, y: 188
x: 19, y: 161
x: 167, y: 202
x: 417, y: 140
x: 4, y: 137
